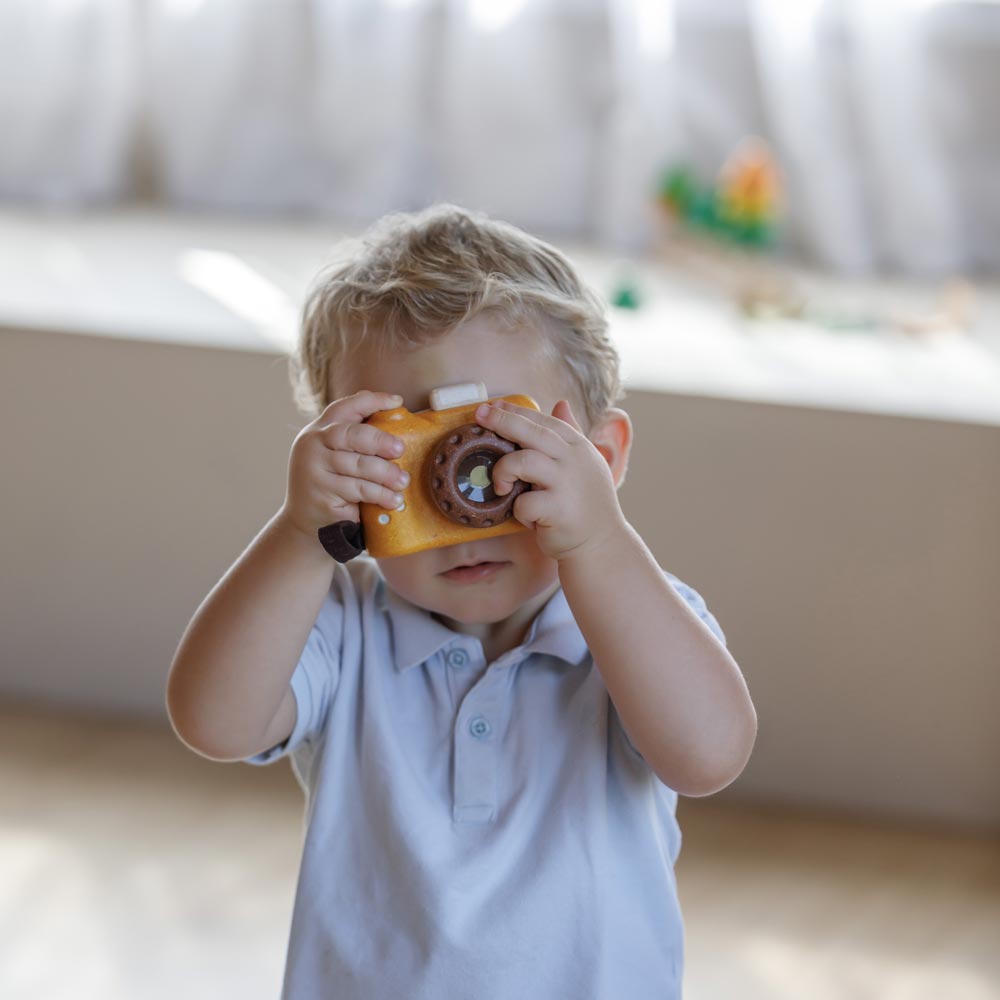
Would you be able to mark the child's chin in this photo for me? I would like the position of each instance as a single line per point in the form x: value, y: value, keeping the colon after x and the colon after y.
x: 469, y: 611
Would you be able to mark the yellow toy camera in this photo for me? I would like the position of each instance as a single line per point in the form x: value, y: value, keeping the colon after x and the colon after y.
x: 449, y: 457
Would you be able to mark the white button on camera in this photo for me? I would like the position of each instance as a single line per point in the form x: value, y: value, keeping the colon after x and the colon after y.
x: 447, y: 396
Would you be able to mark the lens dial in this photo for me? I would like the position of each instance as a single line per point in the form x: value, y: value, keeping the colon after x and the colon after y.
x: 460, y: 477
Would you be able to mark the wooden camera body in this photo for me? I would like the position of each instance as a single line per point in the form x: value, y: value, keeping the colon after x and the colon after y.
x: 449, y: 458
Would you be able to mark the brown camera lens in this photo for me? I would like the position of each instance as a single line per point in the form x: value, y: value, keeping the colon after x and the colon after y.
x: 460, y: 471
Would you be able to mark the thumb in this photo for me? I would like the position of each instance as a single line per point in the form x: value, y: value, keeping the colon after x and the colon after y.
x: 563, y: 412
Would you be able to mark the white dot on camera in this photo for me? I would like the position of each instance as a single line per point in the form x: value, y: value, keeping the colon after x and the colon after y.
x: 383, y: 519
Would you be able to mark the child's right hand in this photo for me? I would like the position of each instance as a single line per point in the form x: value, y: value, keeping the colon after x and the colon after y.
x: 338, y: 461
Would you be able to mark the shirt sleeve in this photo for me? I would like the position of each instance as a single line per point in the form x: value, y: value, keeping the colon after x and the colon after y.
x: 313, y: 682
x: 697, y: 604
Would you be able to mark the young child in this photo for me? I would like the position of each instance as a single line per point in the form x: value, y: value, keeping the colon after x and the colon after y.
x: 491, y: 735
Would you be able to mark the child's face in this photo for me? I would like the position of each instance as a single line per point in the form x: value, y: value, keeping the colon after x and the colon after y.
x: 517, y: 579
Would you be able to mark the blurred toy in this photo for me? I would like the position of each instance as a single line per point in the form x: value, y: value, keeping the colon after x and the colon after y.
x: 741, y: 206
x: 718, y: 235
x: 626, y: 295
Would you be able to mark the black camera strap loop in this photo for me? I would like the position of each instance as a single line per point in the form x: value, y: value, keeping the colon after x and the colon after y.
x: 343, y: 540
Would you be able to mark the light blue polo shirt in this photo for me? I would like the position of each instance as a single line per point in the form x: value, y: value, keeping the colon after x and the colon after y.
x: 474, y: 831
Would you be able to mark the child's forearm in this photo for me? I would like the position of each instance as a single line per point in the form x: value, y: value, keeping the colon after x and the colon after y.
x: 230, y: 674
x: 680, y: 695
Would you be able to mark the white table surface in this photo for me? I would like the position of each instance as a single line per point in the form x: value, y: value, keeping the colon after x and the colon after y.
x: 238, y: 284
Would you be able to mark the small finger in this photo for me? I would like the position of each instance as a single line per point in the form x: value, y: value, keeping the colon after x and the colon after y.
x: 359, y: 406
x: 378, y: 470
x: 564, y: 412
x: 528, y: 428
x: 529, y: 508
x: 525, y: 464
x: 361, y: 438
x: 365, y: 491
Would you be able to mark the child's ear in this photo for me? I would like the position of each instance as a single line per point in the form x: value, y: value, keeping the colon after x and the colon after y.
x: 612, y: 436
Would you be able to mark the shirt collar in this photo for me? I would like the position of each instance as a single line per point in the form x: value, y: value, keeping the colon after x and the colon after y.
x: 417, y: 636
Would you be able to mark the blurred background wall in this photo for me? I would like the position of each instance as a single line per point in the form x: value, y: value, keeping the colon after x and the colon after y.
x: 852, y: 559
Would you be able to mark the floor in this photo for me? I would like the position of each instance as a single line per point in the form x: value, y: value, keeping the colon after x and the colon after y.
x: 133, y: 870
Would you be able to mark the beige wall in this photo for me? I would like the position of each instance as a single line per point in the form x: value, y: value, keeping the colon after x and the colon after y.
x: 853, y: 561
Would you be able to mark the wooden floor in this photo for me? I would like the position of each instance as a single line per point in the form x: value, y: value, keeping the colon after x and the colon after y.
x: 130, y: 869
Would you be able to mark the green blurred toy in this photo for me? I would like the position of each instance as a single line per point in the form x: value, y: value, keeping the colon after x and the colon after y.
x: 742, y: 206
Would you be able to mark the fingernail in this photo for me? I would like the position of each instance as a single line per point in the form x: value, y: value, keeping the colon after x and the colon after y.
x: 483, y: 411
x: 404, y: 477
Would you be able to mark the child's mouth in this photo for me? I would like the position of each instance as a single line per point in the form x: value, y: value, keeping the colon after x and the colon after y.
x: 473, y: 574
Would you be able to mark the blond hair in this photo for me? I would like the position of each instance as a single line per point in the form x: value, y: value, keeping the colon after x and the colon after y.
x: 418, y: 276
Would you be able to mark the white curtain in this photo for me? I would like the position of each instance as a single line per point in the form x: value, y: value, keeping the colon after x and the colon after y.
x: 68, y: 100
x: 559, y: 115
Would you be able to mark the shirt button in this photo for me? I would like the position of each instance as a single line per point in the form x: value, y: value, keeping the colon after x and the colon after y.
x: 457, y: 658
x: 480, y: 728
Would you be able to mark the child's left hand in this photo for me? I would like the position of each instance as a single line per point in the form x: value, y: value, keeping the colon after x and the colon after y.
x: 573, y: 504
